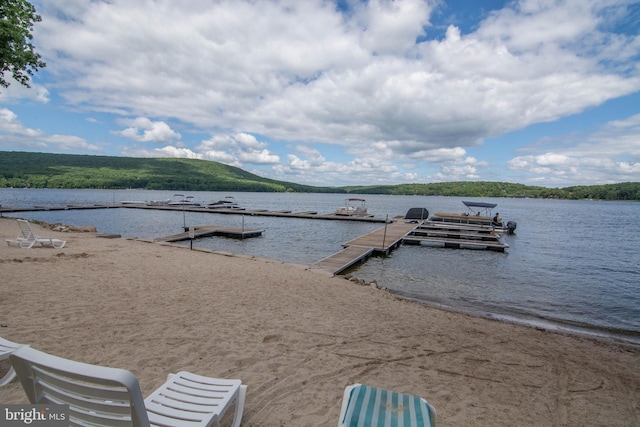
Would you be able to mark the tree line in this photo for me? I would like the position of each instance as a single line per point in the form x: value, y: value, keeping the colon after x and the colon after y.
x: 47, y: 170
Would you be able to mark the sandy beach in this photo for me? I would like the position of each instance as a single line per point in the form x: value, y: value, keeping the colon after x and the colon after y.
x: 297, y: 337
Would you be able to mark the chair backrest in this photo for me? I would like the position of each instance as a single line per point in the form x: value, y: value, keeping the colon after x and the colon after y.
x: 371, y: 406
x: 25, y: 230
x: 7, y: 347
x: 96, y: 395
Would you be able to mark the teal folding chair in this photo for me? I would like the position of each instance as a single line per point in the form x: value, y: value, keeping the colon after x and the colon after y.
x: 363, y: 405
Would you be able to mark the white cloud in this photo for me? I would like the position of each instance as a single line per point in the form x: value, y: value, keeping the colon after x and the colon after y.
x: 237, y: 150
x: 258, y: 157
x: 441, y: 154
x: 167, y: 151
x: 307, y: 75
x: 607, y: 155
x: 314, y: 157
x: 393, y: 26
x: 303, y: 70
x: 9, y: 124
x: 144, y: 130
x: 15, y: 136
x: 70, y: 143
x: 16, y: 91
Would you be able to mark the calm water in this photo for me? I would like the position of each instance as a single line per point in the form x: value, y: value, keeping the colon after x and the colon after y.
x: 571, y: 264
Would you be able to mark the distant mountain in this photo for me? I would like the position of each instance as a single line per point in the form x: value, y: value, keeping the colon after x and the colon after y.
x: 45, y: 170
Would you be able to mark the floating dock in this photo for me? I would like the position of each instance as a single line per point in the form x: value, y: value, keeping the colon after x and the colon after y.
x: 201, y: 209
x: 211, y: 230
x: 39, y: 208
x: 454, y: 235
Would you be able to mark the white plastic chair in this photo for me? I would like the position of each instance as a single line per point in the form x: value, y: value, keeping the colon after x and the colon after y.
x: 6, y: 348
x: 363, y: 405
x: 27, y: 238
x: 102, y: 396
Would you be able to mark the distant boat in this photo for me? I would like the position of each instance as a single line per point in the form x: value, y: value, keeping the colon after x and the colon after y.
x: 353, y: 207
x: 228, y: 202
x: 186, y: 201
x: 158, y: 202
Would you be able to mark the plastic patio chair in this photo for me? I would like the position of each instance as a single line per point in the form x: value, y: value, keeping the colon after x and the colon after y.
x: 104, y: 396
x: 27, y: 238
x: 6, y: 348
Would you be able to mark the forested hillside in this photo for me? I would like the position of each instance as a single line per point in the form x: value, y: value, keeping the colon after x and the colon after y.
x: 45, y: 170
x: 622, y: 191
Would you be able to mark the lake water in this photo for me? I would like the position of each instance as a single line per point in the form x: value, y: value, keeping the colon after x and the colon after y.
x: 571, y: 264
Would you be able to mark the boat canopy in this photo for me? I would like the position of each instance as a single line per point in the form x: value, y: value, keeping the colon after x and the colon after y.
x: 417, y: 213
x: 480, y: 205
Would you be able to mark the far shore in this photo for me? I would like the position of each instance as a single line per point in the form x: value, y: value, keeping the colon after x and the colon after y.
x: 297, y: 336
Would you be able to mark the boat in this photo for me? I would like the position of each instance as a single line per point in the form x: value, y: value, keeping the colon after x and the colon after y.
x: 475, y: 229
x: 353, y: 207
x: 185, y: 201
x: 228, y: 202
x: 158, y: 202
x: 416, y: 214
x: 478, y: 213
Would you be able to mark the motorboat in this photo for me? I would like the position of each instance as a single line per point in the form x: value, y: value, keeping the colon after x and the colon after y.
x: 478, y: 213
x: 353, y: 207
x: 228, y: 202
x: 185, y: 201
x: 417, y: 214
x: 158, y: 202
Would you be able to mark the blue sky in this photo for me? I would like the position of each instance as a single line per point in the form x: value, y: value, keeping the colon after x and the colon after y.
x: 539, y: 92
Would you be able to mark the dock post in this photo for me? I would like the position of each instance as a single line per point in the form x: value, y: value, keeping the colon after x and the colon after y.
x: 384, y: 236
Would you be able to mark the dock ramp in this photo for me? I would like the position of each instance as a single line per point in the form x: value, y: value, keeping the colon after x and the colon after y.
x: 382, y: 240
x: 344, y: 259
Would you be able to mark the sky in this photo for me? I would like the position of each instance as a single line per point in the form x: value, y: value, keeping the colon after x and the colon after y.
x: 346, y: 92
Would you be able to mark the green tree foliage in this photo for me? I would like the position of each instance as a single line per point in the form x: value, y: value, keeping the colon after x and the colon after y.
x: 17, y: 53
x: 43, y: 170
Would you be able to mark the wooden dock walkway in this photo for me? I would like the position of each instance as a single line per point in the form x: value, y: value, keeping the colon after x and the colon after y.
x: 212, y: 230
x: 382, y: 240
x: 344, y: 259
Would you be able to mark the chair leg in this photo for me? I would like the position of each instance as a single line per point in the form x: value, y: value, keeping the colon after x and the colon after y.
x: 9, y: 376
x: 237, y: 417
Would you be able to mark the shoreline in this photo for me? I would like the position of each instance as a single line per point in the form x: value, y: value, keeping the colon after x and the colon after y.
x: 622, y: 337
x: 619, y: 336
x: 297, y: 337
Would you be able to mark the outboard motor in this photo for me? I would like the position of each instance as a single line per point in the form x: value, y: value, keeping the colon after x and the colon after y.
x: 511, y: 227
